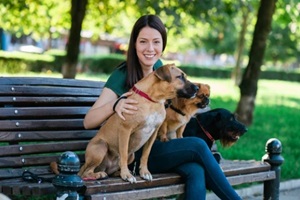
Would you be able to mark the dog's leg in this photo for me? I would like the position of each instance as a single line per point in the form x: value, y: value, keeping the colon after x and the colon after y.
x: 179, y: 131
x: 94, y: 155
x: 123, y: 150
x: 144, y: 172
x: 162, y: 133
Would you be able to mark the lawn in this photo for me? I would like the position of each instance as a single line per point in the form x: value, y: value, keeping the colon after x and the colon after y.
x: 276, y: 115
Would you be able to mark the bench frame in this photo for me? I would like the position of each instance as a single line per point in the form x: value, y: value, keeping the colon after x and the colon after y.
x: 41, y: 121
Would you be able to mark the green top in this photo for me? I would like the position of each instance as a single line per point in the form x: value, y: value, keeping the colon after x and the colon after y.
x: 117, y: 80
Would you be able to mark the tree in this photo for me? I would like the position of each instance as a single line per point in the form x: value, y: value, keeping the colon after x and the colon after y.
x: 246, y: 9
x: 248, y: 86
x: 78, y: 9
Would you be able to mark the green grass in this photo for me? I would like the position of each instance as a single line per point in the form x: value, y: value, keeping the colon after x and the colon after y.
x: 276, y: 115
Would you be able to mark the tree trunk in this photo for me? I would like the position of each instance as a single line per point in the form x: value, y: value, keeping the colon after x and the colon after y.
x: 236, y: 74
x: 248, y: 86
x: 78, y: 9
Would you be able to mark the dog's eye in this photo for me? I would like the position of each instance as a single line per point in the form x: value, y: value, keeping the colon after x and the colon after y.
x: 181, y: 77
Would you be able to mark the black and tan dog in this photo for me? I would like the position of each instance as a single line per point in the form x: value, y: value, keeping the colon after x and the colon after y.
x: 216, y: 124
x: 179, y: 112
x: 113, y: 147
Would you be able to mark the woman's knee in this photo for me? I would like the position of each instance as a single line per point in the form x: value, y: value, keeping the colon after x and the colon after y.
x: 197, y: 144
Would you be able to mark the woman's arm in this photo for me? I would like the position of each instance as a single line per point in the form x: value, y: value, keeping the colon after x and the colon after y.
x: 103, y: 108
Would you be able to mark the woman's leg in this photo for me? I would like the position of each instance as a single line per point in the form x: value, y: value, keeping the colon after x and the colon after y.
x: 194, y: 177
x: 166, y: 156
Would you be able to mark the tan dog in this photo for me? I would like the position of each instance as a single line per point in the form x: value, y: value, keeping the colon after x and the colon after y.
x: 180, y: 111
x: 113, y: 147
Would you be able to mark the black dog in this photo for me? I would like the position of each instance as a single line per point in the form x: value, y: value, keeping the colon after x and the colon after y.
x: 216, y: 124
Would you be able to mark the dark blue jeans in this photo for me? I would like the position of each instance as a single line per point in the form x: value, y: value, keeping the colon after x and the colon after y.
x: 192, y: 159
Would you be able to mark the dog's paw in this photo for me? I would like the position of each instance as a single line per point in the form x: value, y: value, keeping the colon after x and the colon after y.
x: 91, y: 176
x: 127, y: 176
x: 147, y: 177
x: 145, y: 174
x: 164, y: 139
x: 130, y: 178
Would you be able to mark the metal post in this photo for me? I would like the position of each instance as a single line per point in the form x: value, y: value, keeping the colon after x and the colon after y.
x: 274, y: 158
x: 67, y: 182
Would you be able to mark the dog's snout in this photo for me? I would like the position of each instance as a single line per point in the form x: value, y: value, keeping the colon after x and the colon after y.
x: 195, y: 88
x: 207, y: 101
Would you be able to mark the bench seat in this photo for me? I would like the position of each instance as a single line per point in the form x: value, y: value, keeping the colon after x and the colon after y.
x: 40, y: 118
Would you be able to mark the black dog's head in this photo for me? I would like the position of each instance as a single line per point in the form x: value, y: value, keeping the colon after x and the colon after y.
x: 216, y: 124
x: 230, y: 129
x: 224, y: 126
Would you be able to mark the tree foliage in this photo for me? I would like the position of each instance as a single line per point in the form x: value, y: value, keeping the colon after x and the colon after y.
x: 213, y: 25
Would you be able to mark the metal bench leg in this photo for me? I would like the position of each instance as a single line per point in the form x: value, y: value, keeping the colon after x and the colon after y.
x: 67, y: 182
x: 274, y: 158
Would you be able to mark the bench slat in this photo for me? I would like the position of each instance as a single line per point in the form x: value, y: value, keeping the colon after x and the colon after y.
x: 43, y: 112
x: 47, y: 91
x: 38, y: 100
x: 49, y: 147
x: 50, y: 124
x: 93, y: 187
x: 25, y: 161
x: 17, y: 136
x: 146, y: 193
x: 50, y: 81
x: 236, y: 167
x: 250, y: 178
x: 13, y: 174
x: 28, y: 189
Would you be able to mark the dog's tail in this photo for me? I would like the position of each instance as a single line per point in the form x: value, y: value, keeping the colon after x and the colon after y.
x: 54, y: 167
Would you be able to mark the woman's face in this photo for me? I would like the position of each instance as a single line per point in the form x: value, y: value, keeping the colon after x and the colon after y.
x: 149, y: 45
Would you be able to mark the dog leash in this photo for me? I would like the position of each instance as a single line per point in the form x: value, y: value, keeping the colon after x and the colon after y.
x: 206, y: 132
x: 33, y: 178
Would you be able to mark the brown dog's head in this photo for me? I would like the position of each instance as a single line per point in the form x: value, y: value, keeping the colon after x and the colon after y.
x: 202, y: 96
x: 175, y: 83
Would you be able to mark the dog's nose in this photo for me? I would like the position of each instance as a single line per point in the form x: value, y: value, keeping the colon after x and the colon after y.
x: 207, y: 100
x: 194, y: 87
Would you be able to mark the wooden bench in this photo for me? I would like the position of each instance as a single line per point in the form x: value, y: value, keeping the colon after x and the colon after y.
x: 41, y: 118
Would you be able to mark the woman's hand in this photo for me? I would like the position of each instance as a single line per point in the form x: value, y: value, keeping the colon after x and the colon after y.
x: 125, y: 105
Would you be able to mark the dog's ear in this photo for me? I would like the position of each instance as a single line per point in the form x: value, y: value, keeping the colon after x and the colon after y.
x: 164, y: 73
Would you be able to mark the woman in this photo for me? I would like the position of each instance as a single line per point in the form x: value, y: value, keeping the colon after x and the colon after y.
x: 190, y: 157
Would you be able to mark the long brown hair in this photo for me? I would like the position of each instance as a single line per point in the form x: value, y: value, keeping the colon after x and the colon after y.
x: 134, y: 69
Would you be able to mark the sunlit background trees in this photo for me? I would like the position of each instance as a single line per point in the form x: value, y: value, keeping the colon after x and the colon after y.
x: 208, y: 33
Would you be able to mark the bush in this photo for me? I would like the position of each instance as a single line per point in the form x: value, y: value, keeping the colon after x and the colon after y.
x: 59, y: 58
x: 213, y: 72
x: 101, y: 64
x: 17, y: 62
x: 225, y: 72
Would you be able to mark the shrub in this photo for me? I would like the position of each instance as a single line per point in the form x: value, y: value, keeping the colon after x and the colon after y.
x: 101, y: 63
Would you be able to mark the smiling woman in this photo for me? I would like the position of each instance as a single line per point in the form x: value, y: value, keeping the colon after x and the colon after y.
x: 147, y: 42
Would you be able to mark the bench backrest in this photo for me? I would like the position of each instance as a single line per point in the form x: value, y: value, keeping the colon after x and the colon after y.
x: 40, y: 118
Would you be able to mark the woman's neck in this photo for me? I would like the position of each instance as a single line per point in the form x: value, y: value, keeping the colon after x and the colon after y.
x: 147, y: 71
